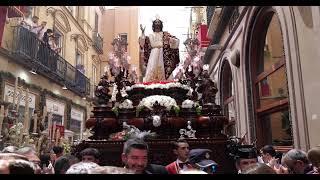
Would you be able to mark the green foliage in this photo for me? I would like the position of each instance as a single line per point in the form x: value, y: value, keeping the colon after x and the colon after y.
x: 115, y: 111
x: 176, y: 110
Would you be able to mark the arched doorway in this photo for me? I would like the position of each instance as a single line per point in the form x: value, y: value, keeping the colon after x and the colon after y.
x: 227, y: 97
x: 268, y: 80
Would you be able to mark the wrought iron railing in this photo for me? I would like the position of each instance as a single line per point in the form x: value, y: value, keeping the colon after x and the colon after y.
x: 98, y: 42
x: 38, y: 55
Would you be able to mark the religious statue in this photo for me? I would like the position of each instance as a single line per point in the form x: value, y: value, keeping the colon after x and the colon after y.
x: 160, y: 52
x: 102, y: 90
x: 207, y: 88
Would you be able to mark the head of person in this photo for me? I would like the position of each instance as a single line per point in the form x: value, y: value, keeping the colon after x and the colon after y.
x: 19, y: 166
x: 90, y: 155
x: 82, y: 168
x: 135, y: 155
x: 181, y: 149
x: 58, y: 150
x: 43, y: 23
x: 9, y: 149
x: 258, y: 168
x: 245, y: 156
x: 31, y: 154
x: 200, y: 159
x: 296, y: 161
x: 314, y: 157
x: 157, y: 25
x: 35, y: 19
x: 267, y: 153
x: 63, y: 163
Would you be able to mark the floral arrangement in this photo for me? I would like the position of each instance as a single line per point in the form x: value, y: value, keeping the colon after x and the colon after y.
x: 126, y: 104
x: 187, y: 104
x: 165, y: 101
x: 159, y: 86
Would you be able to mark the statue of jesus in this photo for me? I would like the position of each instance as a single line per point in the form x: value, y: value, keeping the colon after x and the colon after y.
x: 160, y: 53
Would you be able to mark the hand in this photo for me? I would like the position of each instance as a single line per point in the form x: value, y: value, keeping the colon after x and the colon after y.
x: 281, y: 170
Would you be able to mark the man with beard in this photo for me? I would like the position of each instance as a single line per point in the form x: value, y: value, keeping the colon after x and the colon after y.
x: 135, y: 157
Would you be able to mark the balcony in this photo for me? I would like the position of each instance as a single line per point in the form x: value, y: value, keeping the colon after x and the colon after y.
x: 29, y: 51
x: 98, y: 42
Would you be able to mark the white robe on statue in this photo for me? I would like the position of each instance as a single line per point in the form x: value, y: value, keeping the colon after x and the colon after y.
x: 155, y: 67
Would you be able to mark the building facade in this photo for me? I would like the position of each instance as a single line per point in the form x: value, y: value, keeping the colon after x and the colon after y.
x: 264, y: 60
x: 121, y: 21
x: 61, y: 82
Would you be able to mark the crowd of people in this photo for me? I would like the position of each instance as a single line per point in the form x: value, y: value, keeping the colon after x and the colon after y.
x: 135, y: 159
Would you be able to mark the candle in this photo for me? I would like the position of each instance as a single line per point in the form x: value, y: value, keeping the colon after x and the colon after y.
x: 49, y: 125
x: 26, y: 112
x: 1, y: 117
x: 6, y: 98
x: 54, y: 130
x: 57, y: 137
x: 81, y: 131
x: 44, y: 114
x: 35, y: 121
x: 19, y: 98
x: 15, y: 92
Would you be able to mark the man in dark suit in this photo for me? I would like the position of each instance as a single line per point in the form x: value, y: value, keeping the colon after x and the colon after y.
x: 135, y: 157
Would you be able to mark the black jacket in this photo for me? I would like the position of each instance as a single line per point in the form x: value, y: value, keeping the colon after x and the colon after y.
x: 155, y: 169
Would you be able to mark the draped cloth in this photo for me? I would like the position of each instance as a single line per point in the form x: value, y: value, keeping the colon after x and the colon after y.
x: 161, y: 56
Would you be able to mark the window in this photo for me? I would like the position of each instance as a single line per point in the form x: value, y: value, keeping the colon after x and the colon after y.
x: 270, y: 89
x: 228, y: 98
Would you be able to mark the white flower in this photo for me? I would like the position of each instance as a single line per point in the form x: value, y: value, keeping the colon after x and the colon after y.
x: 114, y: 93
x: 126, y: 104
x: 165, y: 101
x: 205, y: 67
x: 156, y: 121
x: 188, y: 104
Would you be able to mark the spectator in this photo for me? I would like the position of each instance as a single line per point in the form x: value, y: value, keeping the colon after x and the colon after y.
x: 58, y: 150
x: 9, y: 149
x: 314, y: 157
x: 19, y: 166
x: 245, y: 155
x: 135, y: 157
x: 181, y: 150
x: 82, y: 168
x: 259, y: 168
x: 63, y: 163
x: 200, y: 159
x: 297, y: 162
x: 90, y: 155
x: 30, y: 153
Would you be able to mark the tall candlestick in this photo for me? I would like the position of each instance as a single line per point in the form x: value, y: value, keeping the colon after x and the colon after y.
x: 19, y: 98
x: 15, y: 92
x: 1, y: 117
x: 57, y: 137
x: 6, y: 98
x: 54, y: 130
x: 44, y: 114
x: 35, y: 123
x: 26, y: 112
x: 49, y: 125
